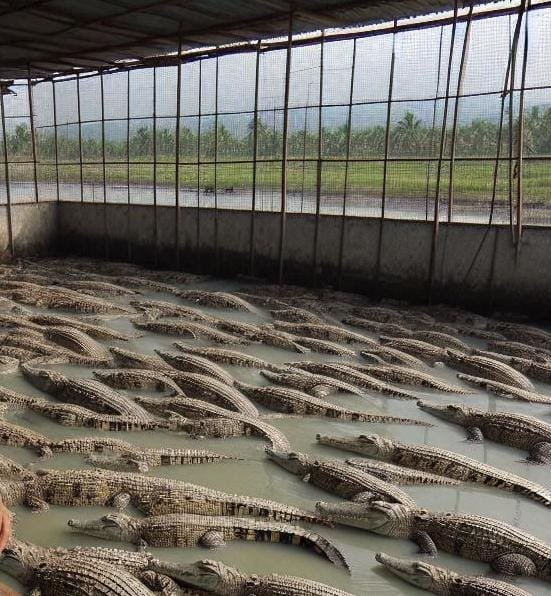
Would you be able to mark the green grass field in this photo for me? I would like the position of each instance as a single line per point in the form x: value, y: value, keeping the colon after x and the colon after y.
x: 472, y: 180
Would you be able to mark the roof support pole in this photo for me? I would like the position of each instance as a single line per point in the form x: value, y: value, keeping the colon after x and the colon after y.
x: 177, y: 158
x: 346, y: 165
x: 252, y: 239
x: 436, y: 216
x: 80, y: 140
x: 319, y: 163
x: 56, y: 162
x: 33, y: 133
x: 104, y: 170
x: 11, y: 248
x: 215, y: 151
x: 385, y: 162
x: 128, y: 210
x: 285, y: 149
x: 198, y: 211
x: 155, y: 224
x: 464, y: 56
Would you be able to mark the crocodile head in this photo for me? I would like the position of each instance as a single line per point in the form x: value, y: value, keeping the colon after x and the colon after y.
x: 380, y: 517
x: 419, y: 573
x: 20, y: 559
x: 293, y: 461
x: 207, y: 575
x: 370, y: 445
x: 452, y: 412
x: 114, y: 526
x: 42, y: 378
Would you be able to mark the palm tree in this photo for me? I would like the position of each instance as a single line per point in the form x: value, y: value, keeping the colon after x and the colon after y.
x: 408, y: 133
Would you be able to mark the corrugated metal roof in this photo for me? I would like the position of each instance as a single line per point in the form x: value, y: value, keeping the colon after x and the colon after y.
x: 59, y: 35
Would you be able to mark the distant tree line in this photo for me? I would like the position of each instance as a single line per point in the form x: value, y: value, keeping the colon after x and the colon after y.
x: 409, y: 137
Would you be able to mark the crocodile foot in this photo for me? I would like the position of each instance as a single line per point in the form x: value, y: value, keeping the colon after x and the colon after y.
x: 514, y: 564
x: 540, y: 453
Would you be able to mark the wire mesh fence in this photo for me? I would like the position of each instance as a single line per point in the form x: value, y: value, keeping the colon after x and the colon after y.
x: 451, y: 119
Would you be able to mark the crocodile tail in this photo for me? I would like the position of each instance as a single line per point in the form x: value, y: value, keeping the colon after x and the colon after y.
x: 310, y: 540
x: 397, y: 420
x: 535, y: 492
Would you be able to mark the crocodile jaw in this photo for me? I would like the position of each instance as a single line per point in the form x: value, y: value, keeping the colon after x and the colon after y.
x: 451, y: 413
x: 210, y: 576
x: 361, y: 444
x: 296, y: 463
x: 109, y: 527
x: 418, y: 573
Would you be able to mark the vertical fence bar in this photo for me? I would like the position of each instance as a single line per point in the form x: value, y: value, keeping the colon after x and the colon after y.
x: 104, y: 169
x: 520, y: 133
x: 80, y: 140
x: 436, y: 220
x: 285, y: 149
x: 346, y: 165
x: 198, y: 212
x: 155, y: 231
x: 7, y: 175
x: 319, y: 162
x: 387, y: 150
x: 512, y: 72
x: 54, y: 105
x: 464, y: 57
x: 177, y: 156
x: 215, y: 150
x: 33, y: 133
x: 128, y: 210
x: 252, y: 238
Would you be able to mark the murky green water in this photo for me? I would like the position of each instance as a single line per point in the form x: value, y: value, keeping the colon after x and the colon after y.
x: 257, y: 476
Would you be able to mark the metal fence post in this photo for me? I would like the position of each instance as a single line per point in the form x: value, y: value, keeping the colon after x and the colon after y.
x: 177, y: 156
x: 104, y: 170
x: 215, y: 150
x: 387, y: 150
x: 155, y: 230
x: 55, y: 139
x: 252, y: 238
x: 33, y: 133
x: 436, y: 220
x: 346, y: 165
x: 198, y: 212
x: 11, y: 247
x: 285, y: 149
x: 128, y: 215
x: 319, y: 168
x: 80, y: 140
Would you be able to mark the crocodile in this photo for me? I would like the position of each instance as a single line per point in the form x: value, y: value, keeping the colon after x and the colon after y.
x: 488, y: 368
x: 143, y: 283
x: 93, y: 288
x: 507, y: 549
x: 507, y: 391
x: 17, y: 353
x: 338, y: 478
x: 325, y: 331
x: 376, y: 327
x: 446, y: 582
x: 523, y: 333
x: 484, y: 334
x: 379, y: 314
x: 516, y: 430
x: 296, y: 315
x: 225, y: 356
x: 316, y: 385
x: 191, y: 330
x: 187, y: 362
x: 8, y: 364
x: 162, y: 309
x: 78, y: 341
x: 10, y: 320
x: 520, y: 350
x: 129, y: 359
x: 398, y: 474
x: 348, y: 374
x: 384, y: 354
x: 422, y: 349
x: 189, y: 530
x: 292, y: 401
x: 540, y: 371
x: 19, y: 436
x: 215, y: 299
x: 217, y: 578
x: 263, y: 334
x: 442, y: 340
x: 438, y: 461
x: 407, y: 376
x: 150, y: 495
x: 229, y: 424
x: 74, y: 576
x: 324, y: 346
x: 137, y: 378
x: 120, y: 455
x: 95, y: 331
x: 26, y: 342
x: 89, y: 393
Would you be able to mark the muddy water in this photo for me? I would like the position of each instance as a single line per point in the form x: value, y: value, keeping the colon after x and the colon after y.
x: 255, y: 475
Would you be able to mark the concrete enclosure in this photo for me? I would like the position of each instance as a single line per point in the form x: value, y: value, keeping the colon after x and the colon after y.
x: 474, y: 265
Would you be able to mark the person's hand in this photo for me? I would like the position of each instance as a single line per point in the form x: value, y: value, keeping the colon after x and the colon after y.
x: 5, y: 526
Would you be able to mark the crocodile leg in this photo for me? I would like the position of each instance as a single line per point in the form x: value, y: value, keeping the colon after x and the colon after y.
x: 540, y: 453
x: 514, y: 564
x: 363, y: 497
x: 160, y: 584
x: 474, y: 433
x: 212, y: 539
x: 425, y: 543
x: 34, y: 500
x: 121, y: 501
x: 321, y: 391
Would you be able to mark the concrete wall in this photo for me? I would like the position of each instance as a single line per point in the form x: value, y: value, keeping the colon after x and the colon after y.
x: 34, y: 229
x: 473, y: 266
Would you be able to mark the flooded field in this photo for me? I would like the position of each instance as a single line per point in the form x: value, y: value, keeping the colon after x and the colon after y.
x: 255, y: 475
